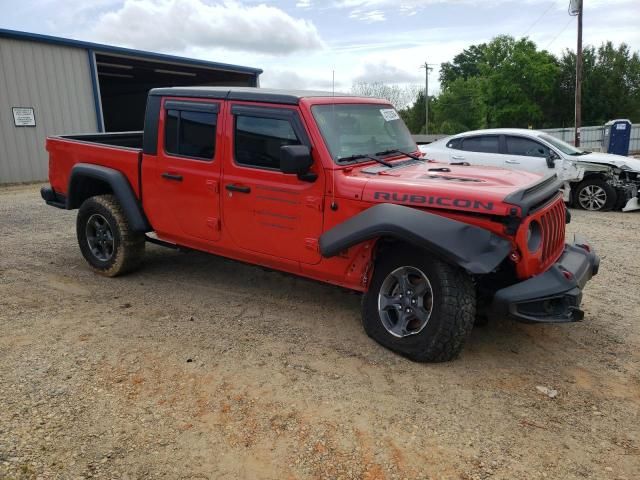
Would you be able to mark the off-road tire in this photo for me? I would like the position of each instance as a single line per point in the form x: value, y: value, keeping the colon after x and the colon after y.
x: 128, y: 246
x: 599, y: 183
x: 452, y: 316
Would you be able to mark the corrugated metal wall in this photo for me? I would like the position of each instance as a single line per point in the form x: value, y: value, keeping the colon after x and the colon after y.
x: 56, y: 82
x: 591, y: 137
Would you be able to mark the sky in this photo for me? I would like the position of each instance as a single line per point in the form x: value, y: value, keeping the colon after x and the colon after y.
x: 301, y: 43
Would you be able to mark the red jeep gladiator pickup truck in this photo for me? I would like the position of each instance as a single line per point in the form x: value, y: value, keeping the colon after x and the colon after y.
x: 333, y: 188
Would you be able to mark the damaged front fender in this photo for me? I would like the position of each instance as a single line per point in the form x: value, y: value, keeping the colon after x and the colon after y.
x: 475, y: 249
x: 624, y: 180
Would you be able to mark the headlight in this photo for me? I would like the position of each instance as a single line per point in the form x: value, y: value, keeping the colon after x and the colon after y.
x: 534, y: 236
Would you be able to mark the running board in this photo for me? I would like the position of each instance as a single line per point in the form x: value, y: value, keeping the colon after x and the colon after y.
x: 162, y: 243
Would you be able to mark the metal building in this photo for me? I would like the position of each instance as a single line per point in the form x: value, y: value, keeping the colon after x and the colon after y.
x: 51, y: 85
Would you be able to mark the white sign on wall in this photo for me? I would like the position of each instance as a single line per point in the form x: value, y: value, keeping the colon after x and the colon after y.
x: 24, y: 117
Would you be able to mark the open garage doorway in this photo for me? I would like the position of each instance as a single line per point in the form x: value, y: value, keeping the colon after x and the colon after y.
x: 124, y: 82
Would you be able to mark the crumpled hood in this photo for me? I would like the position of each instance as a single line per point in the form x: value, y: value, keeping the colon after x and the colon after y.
x: 439, y: 185
x: 619, y: 161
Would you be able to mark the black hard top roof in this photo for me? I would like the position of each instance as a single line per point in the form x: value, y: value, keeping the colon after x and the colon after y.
x: 251, y: 94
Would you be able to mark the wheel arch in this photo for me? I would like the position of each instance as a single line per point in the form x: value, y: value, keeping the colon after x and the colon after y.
x: 472, y: 248
x: 591, y: 176
x: 87, y: 180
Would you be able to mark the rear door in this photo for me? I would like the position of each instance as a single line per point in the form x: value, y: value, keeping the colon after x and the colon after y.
x: 452, y: 151
x: 479, y: 150
x: 181, y: 189
x: 265, y: 210
x: 525, y: 153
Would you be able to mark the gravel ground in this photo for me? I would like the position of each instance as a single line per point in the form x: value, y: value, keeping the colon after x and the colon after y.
x: 200, y: 367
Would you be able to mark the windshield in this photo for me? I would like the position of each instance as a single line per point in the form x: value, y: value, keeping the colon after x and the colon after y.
x: 564, y: 147
x: 362, y: 129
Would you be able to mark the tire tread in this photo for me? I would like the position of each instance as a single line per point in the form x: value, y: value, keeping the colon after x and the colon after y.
x: 456, y: 313
x: 130, y: 251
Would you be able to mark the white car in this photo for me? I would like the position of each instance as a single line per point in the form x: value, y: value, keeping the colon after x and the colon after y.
x: 592, y: 181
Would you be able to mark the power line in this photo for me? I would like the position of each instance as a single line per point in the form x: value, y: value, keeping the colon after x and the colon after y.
x: 559, y: 33
x: 551, y: 5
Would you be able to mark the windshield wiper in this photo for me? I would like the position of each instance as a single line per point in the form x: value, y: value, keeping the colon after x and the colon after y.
x: 579, y: 154
x: 395, y: 150
x: 362, y: 156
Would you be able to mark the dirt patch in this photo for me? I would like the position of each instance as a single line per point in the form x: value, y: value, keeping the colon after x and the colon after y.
x: 200, y: 367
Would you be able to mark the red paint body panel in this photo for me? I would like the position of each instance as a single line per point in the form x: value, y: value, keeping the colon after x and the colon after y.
x: 65, y: 153
x: 187, y: 211
x: 278, y: 222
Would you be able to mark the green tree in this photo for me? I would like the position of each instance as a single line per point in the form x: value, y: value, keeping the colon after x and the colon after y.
x: 464, y: 65
x: 511, y: 82
x: 460, y: 106
x: 519, y: 82
x: 414, y: 114
x: 610, y: 84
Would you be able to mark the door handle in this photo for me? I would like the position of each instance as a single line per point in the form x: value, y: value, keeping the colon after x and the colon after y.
x: 512, y: 161
x: 237, y: 188
x: 172, y: 176
x: 457, y: 157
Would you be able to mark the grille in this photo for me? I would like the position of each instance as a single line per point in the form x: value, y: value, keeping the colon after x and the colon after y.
x: 552, y: 220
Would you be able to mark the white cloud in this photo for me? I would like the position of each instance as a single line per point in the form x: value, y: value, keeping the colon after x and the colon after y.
x: 369, y: 16
x: 386, y: 73
x: 242, y: 32
x: 175, y: 25
x: 308, y: 79
x: 413, y: 7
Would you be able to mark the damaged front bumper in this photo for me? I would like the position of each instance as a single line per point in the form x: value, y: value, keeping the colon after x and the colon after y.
x: 553, y: 296
x: 631, y: 198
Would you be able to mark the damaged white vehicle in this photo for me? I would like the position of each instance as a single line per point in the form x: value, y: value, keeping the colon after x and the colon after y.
x: 592, y: 181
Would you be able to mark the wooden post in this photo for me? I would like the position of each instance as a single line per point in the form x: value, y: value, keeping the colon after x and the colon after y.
x: 578, y: 100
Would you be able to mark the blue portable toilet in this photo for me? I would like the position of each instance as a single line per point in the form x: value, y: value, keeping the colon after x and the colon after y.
x: 617, y: 134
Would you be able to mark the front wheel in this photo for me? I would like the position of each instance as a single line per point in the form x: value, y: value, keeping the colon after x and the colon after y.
x: 595, y: 194
x: 419, y: 307
x: 105, y: 238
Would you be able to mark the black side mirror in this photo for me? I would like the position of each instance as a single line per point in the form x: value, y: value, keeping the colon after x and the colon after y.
x: 296, y: 159
x: 551, y: 159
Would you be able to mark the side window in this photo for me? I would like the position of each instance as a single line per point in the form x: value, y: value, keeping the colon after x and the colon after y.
x: 190, y: 134
x: 258, y: 140
x: 482, y: 144
x: 525, y: 147
x: 455, y: 143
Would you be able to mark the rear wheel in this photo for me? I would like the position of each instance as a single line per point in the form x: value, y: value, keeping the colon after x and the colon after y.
x: 419, y: 307
x: 105, y: 238
x: 595, y: 194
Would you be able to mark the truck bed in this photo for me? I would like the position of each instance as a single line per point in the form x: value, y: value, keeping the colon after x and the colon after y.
x: 116, y: 139
x: 121, y: 151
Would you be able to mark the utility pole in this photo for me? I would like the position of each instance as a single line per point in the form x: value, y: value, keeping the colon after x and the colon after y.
x: 578, y: 99
x: 426, y: 96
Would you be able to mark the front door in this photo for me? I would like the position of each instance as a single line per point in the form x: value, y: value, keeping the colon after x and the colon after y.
x: 265, y: 210
x: 525, y: 154
x: 182, y: 189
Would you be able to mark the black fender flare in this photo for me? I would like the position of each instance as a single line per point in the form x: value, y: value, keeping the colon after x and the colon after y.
x: 120, y: 186
x: 475, y: 249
